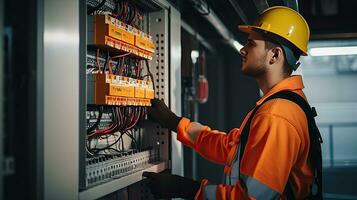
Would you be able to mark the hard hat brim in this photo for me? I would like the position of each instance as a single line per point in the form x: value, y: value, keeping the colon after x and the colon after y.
x: 245, y: 28
x: 249, y: 29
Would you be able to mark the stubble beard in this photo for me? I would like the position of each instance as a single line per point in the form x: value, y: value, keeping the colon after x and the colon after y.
x: 255, y: 72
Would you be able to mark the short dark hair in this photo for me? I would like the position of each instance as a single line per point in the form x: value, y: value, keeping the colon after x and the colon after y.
x: 269, y: 44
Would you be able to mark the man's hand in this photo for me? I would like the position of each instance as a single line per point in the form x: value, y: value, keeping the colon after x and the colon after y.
x: 171, y: 186
x: 163, y: 115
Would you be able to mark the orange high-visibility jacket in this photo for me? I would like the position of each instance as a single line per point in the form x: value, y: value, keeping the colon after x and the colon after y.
x: 277, y: 150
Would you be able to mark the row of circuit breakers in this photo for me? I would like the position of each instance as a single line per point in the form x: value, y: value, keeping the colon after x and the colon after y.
x: 110, y: 88
x: 118, y: 91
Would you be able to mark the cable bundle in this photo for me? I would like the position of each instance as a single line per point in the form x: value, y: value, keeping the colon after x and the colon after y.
x: 124, y: 119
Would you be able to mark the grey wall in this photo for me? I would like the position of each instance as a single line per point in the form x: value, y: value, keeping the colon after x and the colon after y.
x: 331, y: 88
x: 335, y: 98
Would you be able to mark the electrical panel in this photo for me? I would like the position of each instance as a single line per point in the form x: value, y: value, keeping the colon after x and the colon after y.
x: 127, y: 65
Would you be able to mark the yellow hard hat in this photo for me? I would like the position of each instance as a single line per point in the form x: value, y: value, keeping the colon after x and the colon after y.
x: 284, y: 22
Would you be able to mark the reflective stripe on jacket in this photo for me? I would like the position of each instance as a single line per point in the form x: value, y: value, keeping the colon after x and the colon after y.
x: 277, y: 147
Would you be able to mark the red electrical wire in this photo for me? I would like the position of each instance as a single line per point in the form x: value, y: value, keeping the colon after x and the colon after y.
x: 122, y: 55
x: 121, y: 11
x: 131, y: 116
x: 111, y: 129
x: 103, y: 131
x: 129, y: 119
x: 121, y: 119
x: 117, y: 67
x: 135, y: 15
x: 97, y: 59
x: 143, y: 113
x: 134, y: 113
x: 135, y: 117
x: 115, y: 13
x: 125, y: 14
x: 122, y: 67
x: 109, y: 64
x: 138, y: 114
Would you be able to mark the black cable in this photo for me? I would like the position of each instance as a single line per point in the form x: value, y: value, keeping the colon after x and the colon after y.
x: 114, y: 119
x: 110, y: 145
x: 128, y: 15
x: 133, y: 68
x: 120, y: 119
x: 123, y: 67
x: 132, y: 138
x: 91, y: 10
x: 132, y: 13
x: 116, y: 8
x: 122, y: 6
x: 117, y: 67
x: 122, y: 145
x: 88, y: 144
x: 126, y: 118
x: 138, y: 69
x: 129, y: 68
x: 127, y: 19
x: 95, y: 125
x: 106, y: 62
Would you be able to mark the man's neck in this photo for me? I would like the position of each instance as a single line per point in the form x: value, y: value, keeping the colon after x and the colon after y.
x: 267, y: 81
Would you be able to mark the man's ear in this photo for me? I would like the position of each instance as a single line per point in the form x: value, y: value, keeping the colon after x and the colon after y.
x: 276, y: 54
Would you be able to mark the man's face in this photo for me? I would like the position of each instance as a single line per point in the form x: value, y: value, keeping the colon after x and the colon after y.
x: 254, y: 56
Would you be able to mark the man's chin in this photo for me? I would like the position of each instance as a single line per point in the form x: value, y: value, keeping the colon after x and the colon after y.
x: 248, y: 72
x: 245, y: 71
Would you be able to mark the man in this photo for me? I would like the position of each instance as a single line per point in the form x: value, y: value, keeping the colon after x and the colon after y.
x: 276, y: 153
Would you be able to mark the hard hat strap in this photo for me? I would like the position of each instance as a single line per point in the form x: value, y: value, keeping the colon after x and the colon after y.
x: 291, y: 57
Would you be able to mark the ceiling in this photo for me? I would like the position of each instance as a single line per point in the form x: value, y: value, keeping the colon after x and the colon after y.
x: 328, y: 19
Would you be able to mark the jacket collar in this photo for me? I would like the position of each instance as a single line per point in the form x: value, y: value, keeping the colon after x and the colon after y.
x: 291, y: 83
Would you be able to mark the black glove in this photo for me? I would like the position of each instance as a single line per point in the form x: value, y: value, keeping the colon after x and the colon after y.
x: 163, y: 115
x: 171, y: 186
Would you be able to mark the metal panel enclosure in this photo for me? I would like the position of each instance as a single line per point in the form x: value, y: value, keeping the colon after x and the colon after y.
x: 62, y: 102
x: 61, y: 99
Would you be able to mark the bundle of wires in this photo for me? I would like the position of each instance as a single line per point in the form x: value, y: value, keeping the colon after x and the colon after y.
x: 127, y: 12
x: 107, y: 66
x: 91, y: 10
x: 123, y: 120
x: 124, y: 10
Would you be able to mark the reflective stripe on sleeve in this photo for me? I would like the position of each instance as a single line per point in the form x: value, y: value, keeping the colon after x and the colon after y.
x: 259, y: 190
x: 254, y: 188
